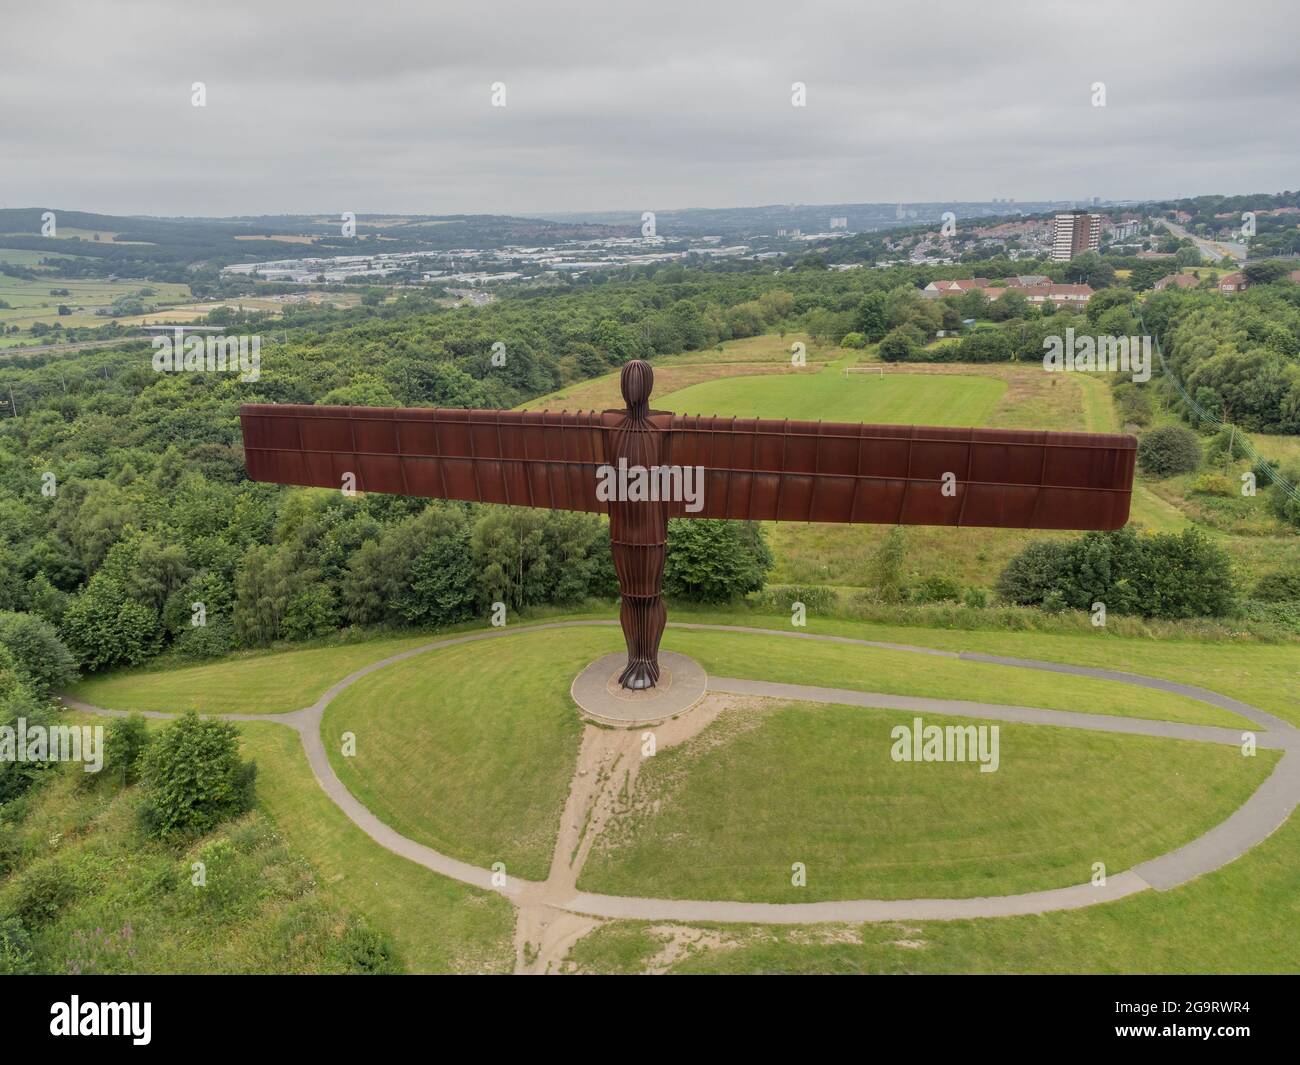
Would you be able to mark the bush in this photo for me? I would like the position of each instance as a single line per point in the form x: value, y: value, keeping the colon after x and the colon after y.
x: 1264, y: 471
x: 368, y: 952
x: 936, y: 588
x: 15, y: 947
x: 1133, y: 403
x: 715, y: 561
x: 975, y: 598
x: 1280, y: 585
x: 1168, y: 451
x: 853, y: 340
x: 1165, y: 575
x: 1282, y: 503
x: 212, y: 640
x: 1032, y: 573
x: 193, y: 776
x: 1214, y: 484
x: 125, y: 741
x: 15, y: 776
x: 42, y: 891
x: 41, y: 657
x: 104, y: 627
x: 1226, y: 445
x: 899, y: 345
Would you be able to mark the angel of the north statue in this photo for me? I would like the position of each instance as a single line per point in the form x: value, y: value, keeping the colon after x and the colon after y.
x: 643, y: 466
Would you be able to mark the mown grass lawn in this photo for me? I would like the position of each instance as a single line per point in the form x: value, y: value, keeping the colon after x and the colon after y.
x: 241, y: 684
x: 1239, y: 919
x: 798, y: 661
x: 894, y: 398
x: 470, y: 749
x: 726, y: 815
x: 437, y: 924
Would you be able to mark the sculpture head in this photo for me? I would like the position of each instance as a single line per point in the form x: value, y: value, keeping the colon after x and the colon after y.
x: 636, y: 383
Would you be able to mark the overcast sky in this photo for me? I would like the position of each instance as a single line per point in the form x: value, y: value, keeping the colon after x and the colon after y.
x: 318, y: 106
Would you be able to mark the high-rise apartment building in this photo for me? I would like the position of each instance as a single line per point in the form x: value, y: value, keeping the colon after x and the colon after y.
x: 1074, y: 232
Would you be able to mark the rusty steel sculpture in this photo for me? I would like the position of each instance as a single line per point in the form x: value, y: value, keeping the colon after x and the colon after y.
x: 751, y: 468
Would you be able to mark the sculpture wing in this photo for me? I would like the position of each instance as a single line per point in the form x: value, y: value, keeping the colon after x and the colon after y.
x: 523, y: 458
x: 764, y: 469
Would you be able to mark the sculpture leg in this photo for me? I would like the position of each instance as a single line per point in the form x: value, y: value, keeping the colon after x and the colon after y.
x: 640, y: 569
x: 643, y: 619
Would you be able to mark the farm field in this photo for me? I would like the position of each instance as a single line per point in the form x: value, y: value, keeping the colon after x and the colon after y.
x: 31, y: 302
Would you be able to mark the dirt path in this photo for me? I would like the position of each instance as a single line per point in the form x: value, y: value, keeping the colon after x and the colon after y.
x: 603, y: 786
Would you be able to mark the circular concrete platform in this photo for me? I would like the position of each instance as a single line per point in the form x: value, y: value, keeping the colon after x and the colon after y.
x: 682, y: 683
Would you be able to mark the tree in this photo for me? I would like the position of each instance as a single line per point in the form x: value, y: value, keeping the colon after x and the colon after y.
x: 105, y: 627
x: 193, y: 777
x: 441, y: 589
x: 1030, y: 575
x: 1089, y: 268
x: 41, y: 658
x: 899, y: 345
x: 872, y: 318
x: 713, y: 561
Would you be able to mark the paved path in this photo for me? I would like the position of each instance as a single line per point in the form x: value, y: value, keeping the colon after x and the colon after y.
x: 1257, y: 818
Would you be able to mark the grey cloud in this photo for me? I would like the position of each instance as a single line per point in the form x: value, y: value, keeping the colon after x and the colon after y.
x: 330, y: 106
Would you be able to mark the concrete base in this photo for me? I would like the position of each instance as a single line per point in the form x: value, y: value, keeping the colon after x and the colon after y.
x: 682, y: 683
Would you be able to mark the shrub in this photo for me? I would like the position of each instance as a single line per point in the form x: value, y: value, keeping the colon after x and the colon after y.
x: 1282, y: 503
x: 899, y: 345
x: 212, y: 640
x: 104, y: 627
x: 1226, y: 445
x: 1133, y: 403
x: 1054, y: 602
x: 1280, y: 585
x: 1264, y: 470
x: 853, y: 340
x: 1031, y: 574
x: 936, y: 588
x: 193, y: 776
x: 1165, y: 575
x: 40, y: 655
x: 368, y: 952
x: 42, y: 891
x: 976, y: 598
x: 1169, y: 450
x: 15, y: 776
x: 715, y: 561
x: 125, y: 741
x: 886, y: 572
x: 15, y: 947
x: 1214, y: 484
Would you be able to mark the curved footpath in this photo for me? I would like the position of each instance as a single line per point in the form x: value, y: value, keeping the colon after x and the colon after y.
x: 1265, y: 811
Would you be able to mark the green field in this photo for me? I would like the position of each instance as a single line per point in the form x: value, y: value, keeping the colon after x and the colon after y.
x: 470, y: 749
x: 894, y: 399
x: 245, y: 684
x: 31, y: 302
x: 793, y: 661
x: 726, y: 815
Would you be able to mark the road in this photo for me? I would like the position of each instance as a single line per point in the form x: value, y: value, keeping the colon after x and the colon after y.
x: 1214, y: 250
x: 80, y: 345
